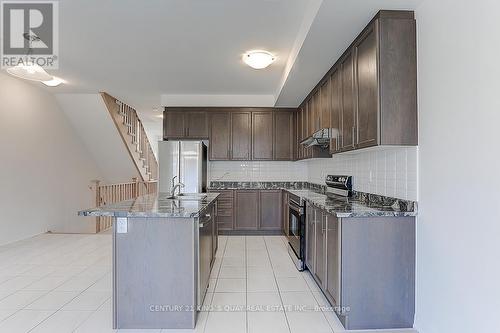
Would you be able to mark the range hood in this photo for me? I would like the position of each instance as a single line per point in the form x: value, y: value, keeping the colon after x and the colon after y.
x: 319, y: 138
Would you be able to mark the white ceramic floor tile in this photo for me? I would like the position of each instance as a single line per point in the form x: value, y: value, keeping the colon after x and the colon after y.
x: 306, y: 322
x: 299, y: 301
x: 47, y: 283
x: 20, y: 299
x: 24, y: 320
x: 98, y: 321
x: 77, y: 283
x: 232, y: 272
x: 292, y: 284
x: 6, y: 313
x: 261, y: 284
x: 62, y: 321
x: 274, y: 322
x: 226, y: 322
x: 54, y: 300
x: 231, y: 285
x: 229, y: 302
x: 19, y: 282
x: 259, y: 272
x: 233, y: 261
x: 88, y: 301
x: 264, y: 302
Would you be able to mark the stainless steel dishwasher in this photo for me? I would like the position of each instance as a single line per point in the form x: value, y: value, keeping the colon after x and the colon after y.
x: 205, y: 254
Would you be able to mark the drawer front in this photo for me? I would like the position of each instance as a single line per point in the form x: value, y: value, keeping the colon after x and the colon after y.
x: 225, y: 222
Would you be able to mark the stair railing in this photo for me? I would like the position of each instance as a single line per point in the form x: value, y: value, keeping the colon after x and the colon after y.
x: 134, y: 136
x: 106, y: 194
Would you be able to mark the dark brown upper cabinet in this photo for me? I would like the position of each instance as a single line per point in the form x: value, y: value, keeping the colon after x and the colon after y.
x: 173, y: 125
x: 262, y: 136
x: 241, y: 133
x: 373, y: 88
x: 184, y: 124
x: 283, y: 135
x: 220, y: 135
x: 348, y: 126
x: 335, y: 111
x: 325, y: 104
x: 367, y: 88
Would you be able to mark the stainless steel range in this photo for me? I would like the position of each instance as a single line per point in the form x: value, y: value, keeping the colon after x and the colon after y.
x: 336, y: 186
x: 296, y: 230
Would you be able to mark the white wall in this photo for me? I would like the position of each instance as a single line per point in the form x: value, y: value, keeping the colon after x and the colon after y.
x: 391, y: 172
x: 45, y: 169
x: 458, y: 229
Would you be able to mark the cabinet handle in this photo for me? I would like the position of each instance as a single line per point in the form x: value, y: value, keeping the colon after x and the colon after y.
x: 353, y: 135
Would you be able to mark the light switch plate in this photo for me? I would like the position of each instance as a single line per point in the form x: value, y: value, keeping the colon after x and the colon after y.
x: 121, y: 225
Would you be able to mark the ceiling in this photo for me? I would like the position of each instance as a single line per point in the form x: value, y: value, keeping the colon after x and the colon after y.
x: 189, y: 51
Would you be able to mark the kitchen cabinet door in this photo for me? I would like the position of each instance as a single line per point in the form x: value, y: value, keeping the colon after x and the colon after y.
x: 196, y: 125
x: 283, y: 136
x: 325, y: 104
x: 333, y: 255
x: 225, y: 210
x: 241, y: 135
x: 367, y: 88
x: 310, y: 238
x: 336, y: 111
x: 173, y: 125
x: 308, y: 118
x: 320, y: 257
x: 246, y: 210
x: 316, y: 113
x: 348, y: 107
x: 270, y: 210
x: 262, y: 135
x: 219, y: 136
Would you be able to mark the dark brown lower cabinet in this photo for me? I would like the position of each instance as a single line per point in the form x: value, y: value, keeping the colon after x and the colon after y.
x: 333, y: 252
x: 225, y: 210
x: 310, y: 237
x: 252, y: 210
x: 270, y: 210
x: 246, y: 208
x: 320, y: 258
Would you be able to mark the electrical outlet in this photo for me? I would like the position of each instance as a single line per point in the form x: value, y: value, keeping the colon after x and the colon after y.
x: 121, y: 225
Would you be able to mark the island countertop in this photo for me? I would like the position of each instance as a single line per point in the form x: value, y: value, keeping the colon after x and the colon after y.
x: 154, y: 205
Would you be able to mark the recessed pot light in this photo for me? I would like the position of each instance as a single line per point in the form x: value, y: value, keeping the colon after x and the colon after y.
x: 258, y: 59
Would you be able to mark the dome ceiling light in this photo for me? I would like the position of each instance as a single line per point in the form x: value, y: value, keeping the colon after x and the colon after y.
x: 258, y: 59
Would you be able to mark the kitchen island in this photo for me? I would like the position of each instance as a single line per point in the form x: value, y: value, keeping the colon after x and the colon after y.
x: 163, y: 252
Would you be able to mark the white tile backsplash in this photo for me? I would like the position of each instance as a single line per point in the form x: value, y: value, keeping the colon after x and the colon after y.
x: 257, y: 171
x: 389, y: 171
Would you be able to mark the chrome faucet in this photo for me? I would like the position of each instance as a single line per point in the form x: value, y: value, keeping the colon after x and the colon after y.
x: 178, y: 185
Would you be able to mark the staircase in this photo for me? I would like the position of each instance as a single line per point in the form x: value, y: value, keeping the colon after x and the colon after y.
x: 134, y: 137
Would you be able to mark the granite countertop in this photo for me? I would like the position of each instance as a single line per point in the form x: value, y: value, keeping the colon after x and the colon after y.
x: 154, y: 205
x: 360, y: 205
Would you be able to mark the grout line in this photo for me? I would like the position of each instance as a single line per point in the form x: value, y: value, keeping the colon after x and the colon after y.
x: 277, y: 286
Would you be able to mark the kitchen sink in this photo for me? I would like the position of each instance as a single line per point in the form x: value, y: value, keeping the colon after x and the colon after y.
x: 188, y: 196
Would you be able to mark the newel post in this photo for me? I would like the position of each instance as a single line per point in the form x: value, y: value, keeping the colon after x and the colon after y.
x: 136, y: 186
x: 97, y: 199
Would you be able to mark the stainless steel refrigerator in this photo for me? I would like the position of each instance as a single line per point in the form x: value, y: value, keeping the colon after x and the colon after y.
x: 184, y: 160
